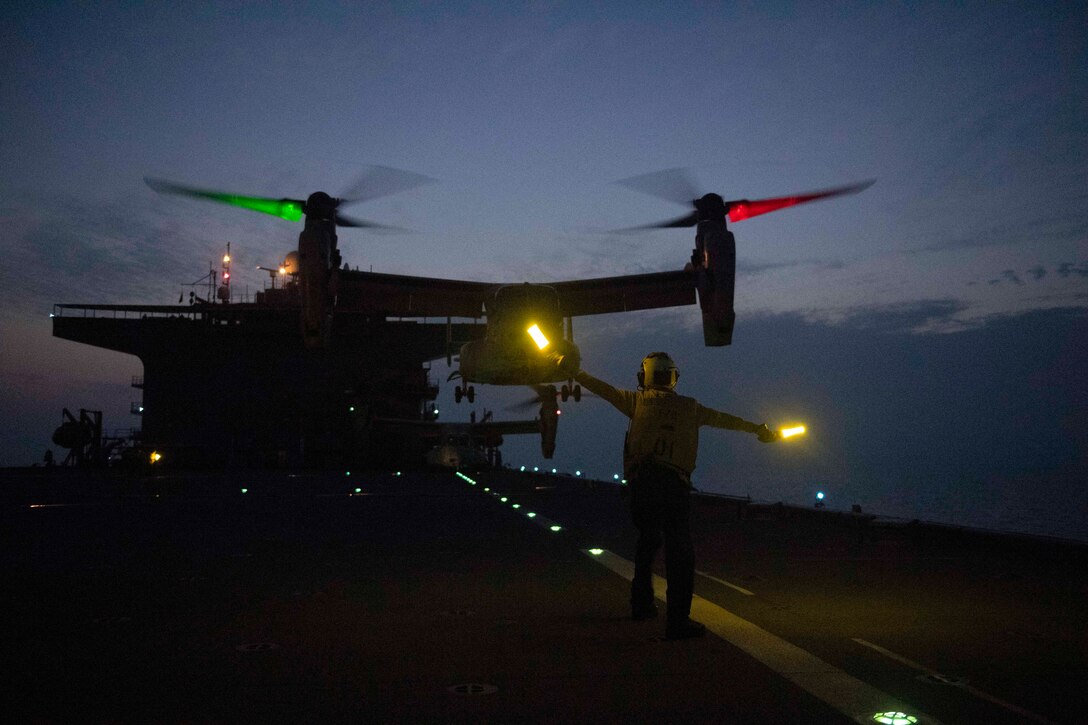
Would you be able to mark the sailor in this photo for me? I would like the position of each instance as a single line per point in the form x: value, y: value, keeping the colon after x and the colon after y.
x: 658, y: 457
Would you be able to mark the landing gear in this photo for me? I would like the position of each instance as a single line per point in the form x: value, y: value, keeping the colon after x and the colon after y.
x: 469, y: 391
x: 566, y: 392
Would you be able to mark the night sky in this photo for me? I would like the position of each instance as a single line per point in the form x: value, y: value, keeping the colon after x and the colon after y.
x: 931, y: 331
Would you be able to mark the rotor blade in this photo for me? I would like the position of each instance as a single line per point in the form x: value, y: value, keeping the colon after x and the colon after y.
x: 688, y: 220
x: 524, y: 404
x: 289, y: 209
x: 745, y: 209
x: 378, y: 181
x: 670, y: 184
x: 346, y: 221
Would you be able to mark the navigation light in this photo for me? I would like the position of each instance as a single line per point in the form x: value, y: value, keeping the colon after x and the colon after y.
x: 538, y: 336
x: 790, y: 432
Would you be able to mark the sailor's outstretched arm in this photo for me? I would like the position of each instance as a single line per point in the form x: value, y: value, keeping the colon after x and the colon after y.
x: 623, y: 400
x: 718, y: 419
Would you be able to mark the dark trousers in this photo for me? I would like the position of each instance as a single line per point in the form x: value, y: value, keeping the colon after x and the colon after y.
x: 661, y: 509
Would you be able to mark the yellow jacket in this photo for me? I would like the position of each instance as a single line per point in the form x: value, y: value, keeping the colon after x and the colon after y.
x: 664, y: 425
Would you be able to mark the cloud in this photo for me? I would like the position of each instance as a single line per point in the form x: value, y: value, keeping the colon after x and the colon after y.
x: 921, y: 317
x: 1011, y: 276
x: 1066, y: 269
x: 754, y: 268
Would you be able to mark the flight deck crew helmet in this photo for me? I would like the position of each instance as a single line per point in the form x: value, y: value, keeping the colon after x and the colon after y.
x: 658, y: 371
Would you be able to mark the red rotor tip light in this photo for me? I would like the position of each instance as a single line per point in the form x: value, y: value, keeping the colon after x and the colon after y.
x: 745, y: 209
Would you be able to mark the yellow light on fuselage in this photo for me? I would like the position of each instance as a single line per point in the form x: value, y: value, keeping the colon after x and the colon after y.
x: 790, y: 432
x: 538, y: 336
x: 155, y: 456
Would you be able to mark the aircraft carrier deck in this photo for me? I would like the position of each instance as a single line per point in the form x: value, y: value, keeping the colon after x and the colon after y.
x: 427, y: 597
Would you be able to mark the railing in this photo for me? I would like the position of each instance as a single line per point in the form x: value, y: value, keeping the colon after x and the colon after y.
x: 216, y: 314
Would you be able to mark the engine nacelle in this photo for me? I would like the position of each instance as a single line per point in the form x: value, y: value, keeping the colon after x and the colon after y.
x: 715, y: 263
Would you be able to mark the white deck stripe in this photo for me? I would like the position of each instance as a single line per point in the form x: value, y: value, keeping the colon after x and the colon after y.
x: 723, y: 582
x: 965, y: 687
x: 847, y: 694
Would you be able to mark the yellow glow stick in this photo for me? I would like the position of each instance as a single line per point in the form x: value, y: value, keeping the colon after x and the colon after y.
x: 538, y: 337
x: 790, y: 432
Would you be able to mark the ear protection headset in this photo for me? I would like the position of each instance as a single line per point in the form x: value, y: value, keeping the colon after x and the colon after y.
x: 659, y: 369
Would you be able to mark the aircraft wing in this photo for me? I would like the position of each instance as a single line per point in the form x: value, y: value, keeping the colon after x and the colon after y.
x: 396, y: 295
x: 626, y: 293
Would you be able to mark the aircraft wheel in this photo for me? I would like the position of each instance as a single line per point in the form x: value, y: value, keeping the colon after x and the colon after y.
x: 457, y: 394
x: 564, y: 393
x: 471, y: 394
x: 577, y: 393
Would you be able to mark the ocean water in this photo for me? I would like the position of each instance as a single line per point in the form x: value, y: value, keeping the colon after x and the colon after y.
x: 1048, y: 504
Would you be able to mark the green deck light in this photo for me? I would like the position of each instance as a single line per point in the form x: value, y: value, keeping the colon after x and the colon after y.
x: 503, y: 499
x: 517, y: 505
x: 487, y: 490
x: 523, y: 469
x: 245, y: 490
x: 556, y: 527
x: 358, y: 490
x: 596, y: 552
x: 347, y: 473
x: 615, y: 476
x: 894, y: 717
x: 531, y: 515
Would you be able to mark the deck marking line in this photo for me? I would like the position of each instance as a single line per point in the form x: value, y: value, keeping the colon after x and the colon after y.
x: 856, y: 699
x: 967, y: 688
x: 723, y: 582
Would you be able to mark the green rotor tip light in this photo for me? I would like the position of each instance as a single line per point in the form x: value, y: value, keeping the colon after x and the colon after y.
x: 288, y: 209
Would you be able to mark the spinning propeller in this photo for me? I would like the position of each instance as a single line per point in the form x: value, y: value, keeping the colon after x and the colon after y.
x: 675, y: 185
x: 377, y: 181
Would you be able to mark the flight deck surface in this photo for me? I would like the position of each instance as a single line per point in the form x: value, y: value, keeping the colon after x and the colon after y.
x: 426, y: 598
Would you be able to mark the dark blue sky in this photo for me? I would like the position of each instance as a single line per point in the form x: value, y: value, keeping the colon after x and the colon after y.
x: 974, y: 118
